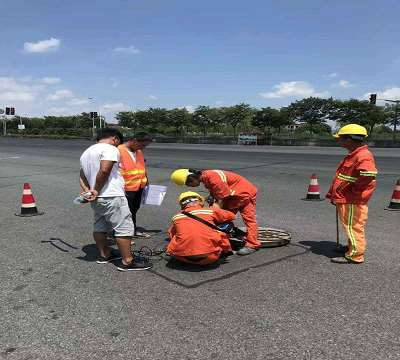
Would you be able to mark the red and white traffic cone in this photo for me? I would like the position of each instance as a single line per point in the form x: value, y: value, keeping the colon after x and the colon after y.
x: 28, y: 206
x: 395, y: 201
x: 313, y: 192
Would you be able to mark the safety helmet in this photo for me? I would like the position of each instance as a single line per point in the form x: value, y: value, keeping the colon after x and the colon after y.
x: 352, y: 129
x: 179, y: 176
x: 190, y: 195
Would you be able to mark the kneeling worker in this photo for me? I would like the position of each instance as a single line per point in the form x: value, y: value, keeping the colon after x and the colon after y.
x: 192, y: 241
x: 232, y: 192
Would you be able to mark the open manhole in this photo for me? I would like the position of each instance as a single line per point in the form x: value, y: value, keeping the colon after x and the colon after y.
x: 271, y: 237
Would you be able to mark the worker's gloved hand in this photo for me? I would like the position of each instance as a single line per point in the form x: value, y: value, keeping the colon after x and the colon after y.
x: 210, y: 200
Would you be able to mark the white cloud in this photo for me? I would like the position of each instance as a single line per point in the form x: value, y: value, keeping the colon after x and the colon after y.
x: 332, y: 75
x: 389, y: 94
x: 42, y: 46
x: 12, y: 90
x: 78, y: 102
x: 113, y: 107
x: 295, y: 89
x: 60, y: 95
x: 50, y: 80
x: 127, y: 50
x: 218, y: 102
x: 345, y: 84
x: 152, y: 97
x: 59, y: 111
x: 190, y: 108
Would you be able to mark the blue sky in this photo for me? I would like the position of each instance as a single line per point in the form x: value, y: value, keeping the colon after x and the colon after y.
x: 132, y: 54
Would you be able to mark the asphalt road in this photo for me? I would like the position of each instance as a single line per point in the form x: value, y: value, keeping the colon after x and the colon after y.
x: 61, y: 305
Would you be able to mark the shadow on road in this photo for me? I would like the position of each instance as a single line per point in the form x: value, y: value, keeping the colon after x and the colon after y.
x: 325, y: 248
x: 91, y: 253
x: 177, y: 265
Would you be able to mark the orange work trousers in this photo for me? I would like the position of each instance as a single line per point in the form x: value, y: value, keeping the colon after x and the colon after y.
x: 353, y: 218
x: 247, y: 209
x: 211, y: 258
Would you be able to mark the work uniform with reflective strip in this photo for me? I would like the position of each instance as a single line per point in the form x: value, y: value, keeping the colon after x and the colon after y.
x: 194, y: 242
x: 238, y: 195
x: 133, y: 172
x: 351, y: 189
x: 133, y: 169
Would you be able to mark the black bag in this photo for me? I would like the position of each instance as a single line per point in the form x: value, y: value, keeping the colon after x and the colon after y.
x: 236, y: 236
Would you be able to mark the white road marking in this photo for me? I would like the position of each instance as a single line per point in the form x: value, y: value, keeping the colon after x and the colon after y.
x: 11, y: 157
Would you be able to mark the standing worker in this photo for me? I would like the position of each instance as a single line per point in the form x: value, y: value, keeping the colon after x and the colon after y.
x: 133, y: 169
x: 351, y: 189
x: 192, y: 241
x: 232, y: 192
x: 103, y: 185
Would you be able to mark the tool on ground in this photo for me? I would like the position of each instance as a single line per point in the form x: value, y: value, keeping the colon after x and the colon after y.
x: 56, y: 242
x: 28, y: 205
x: 395, y: 200
x: 313, y: 192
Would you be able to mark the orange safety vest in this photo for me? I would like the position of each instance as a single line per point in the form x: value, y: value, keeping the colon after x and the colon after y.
x: 134, y: 173
x: 355, y: 181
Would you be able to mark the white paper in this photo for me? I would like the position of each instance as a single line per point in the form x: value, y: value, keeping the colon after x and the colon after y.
x: 154, y: 194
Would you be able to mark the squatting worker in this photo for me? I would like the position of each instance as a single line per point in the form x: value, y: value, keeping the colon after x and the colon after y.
x: 194, y: 242
x: 100, y: 176
x: 351, y: 189
x: 133, y: 169
x: 232, y: 192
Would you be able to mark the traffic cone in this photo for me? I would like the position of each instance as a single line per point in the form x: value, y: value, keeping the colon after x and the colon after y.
x: 395, y: 201
x: 28, y: 206
x: 313, y: 193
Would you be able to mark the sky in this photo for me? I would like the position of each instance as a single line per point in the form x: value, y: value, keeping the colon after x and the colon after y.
x: 63, y: 57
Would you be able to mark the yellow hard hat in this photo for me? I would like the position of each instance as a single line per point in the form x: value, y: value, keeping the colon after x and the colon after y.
x: 352, y: 129
x: 190, y: 194
x: 179, y: 176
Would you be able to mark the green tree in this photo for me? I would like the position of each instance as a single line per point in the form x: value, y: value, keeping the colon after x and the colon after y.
x: 268, y: 118
x: 311, y: 111
x: 238, y: 115
x: 180, y: 119
x: 125, y: 118
x: 203, y: 117
x: 157, y: 119
x: 358, y: 112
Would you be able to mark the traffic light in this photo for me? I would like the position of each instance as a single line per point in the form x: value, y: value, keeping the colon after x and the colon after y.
x: 372, y: 99
x: 10, y: 111
x: 93, y: 114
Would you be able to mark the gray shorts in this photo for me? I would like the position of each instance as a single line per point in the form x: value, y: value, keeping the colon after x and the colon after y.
x: 113, y: 213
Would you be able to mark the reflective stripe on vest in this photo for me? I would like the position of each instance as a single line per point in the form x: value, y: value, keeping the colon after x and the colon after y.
x: 224, y: 180
x: 346, y: 177
x: 134, y: 173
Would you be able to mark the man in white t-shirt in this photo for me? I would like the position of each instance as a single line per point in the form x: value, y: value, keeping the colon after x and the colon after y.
x: 103, y: 185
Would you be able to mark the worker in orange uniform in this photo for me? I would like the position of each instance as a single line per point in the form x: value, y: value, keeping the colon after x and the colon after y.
x: 132, y: 167
x: 351, y: 189
x: 232, y: 192
x: 192, y: 241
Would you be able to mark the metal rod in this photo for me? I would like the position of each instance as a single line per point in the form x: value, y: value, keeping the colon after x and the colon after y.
x: 337, y: 226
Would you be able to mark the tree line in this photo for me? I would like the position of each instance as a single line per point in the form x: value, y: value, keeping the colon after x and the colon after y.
x: 311, y: 116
